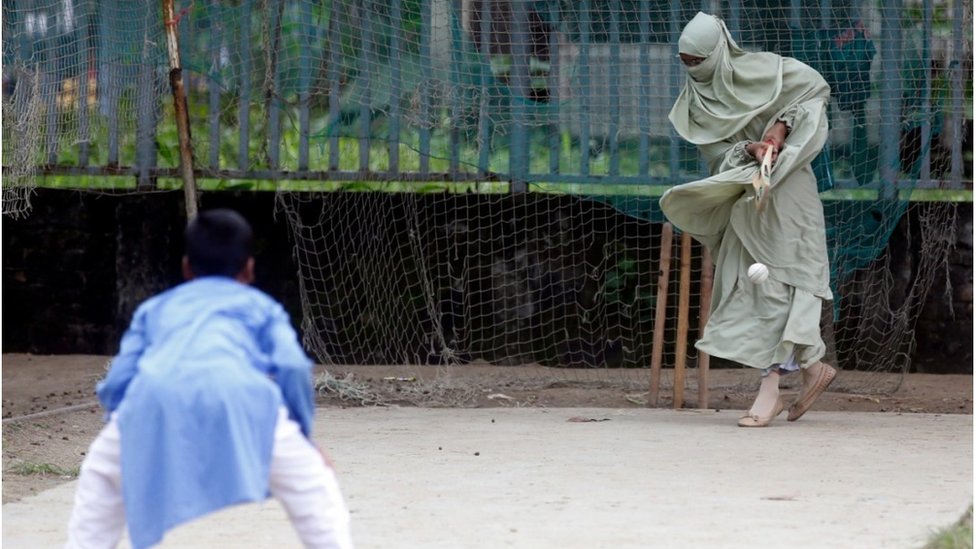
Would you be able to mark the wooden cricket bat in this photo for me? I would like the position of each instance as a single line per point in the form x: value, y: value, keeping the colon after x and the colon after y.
x: 760, y: 181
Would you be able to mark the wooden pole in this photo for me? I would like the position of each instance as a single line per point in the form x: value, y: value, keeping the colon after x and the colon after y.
x: 660, y: 312
x: 180, y: 108
x: 684, y: 301
x: 704, y: 308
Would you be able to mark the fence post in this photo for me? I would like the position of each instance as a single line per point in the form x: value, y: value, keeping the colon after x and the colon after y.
x: 660, y: 314
x: 955, y: 159
x: 179, y: 103
x: 889, y: 162
x: 704, y: 310
x: 684, y: 305
x: 519, y: 84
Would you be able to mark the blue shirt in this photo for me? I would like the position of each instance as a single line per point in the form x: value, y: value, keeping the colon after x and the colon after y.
x: 200, y: 376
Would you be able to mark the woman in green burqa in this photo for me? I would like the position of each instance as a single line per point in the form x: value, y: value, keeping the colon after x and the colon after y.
x: 735, y: 105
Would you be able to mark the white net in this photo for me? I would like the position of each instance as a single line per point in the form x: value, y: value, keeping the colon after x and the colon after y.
x: 21, y: 114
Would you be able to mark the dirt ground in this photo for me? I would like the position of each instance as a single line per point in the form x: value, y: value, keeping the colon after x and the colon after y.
x: 50, y: 413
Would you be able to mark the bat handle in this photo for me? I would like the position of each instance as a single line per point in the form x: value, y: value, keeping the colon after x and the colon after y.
x: 767, y: 162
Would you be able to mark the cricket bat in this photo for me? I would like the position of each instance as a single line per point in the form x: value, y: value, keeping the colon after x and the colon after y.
x: 760, y: 181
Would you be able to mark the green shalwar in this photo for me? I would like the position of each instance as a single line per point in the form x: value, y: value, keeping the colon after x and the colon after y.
x: 730, y: 100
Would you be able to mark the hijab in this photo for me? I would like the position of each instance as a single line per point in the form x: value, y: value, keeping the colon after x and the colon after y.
x: 729, y: 88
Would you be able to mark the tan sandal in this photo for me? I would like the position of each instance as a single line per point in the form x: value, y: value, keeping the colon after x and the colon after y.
x: 814, y: 384
x: 750, y: 420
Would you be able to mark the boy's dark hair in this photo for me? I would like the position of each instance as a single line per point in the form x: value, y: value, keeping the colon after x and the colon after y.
x: 218, y: 243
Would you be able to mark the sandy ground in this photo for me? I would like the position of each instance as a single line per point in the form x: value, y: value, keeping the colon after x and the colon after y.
x: 532, y: 478
x: 501, y: 461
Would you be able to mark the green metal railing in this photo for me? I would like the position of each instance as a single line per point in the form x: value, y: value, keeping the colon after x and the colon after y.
x: 296, y: 87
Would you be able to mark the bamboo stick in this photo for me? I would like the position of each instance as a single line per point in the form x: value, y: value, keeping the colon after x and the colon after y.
x: 704, y: 308
x: 180, y: 110
x: 660, y: 312
x: 684, y: 300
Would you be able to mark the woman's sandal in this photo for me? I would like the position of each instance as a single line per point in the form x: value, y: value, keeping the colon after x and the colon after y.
x: 750, y: 420
x: 816, y: 379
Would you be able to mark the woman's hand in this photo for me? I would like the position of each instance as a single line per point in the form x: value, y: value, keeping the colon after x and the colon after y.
x: 777, y: 135
x: 774, y: 139
x: 758, y: 150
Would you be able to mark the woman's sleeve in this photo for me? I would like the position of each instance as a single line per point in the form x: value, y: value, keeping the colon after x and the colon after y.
x: 738, y: 155
x: 788, y: 117
x: 724, y: 156
x: 810, y: 135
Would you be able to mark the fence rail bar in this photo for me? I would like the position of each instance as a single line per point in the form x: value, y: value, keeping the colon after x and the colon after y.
x: 284, y: 175
x: 462, y: 177
x: 614, y: 89
x: 367, y: 60
x: 304, y: 84
x: 674, y: 31
x: 272, y: 95
x: 518, y: 157
x: 146, y: 123
x: 335, y: 45
x: 51, y: 89
x: 891, y: 97
x: 926, y: 168
x: 396, y: 82
x: 84, y: 126
x: 644, y: 162
x: 425, y: 77
x: 215, y: 85
x: 958, y: 51
x: 454, y: 131
x: 112, y: 110
x: 484, y: 56
x: 554, y: 130
x: 244, y: 102
x: 584, y: 94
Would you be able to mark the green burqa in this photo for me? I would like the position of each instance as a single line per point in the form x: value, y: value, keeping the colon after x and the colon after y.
x: 729, y: 100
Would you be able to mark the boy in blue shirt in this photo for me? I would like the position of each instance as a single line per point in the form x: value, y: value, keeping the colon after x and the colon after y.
x: 209, y: 404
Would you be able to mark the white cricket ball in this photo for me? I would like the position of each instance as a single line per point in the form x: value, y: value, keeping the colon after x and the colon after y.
x: 758, y: 273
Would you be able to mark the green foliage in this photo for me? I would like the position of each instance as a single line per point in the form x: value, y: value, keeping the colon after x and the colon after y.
x: 957, y: 536
x: 627, y: 294
x: 621, y: 286
x: 46, y: 469
x: 344, y: 135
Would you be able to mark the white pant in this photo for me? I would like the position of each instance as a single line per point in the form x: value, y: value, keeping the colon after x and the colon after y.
x: 300, y: 480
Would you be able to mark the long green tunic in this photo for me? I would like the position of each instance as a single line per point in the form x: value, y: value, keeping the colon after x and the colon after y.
x: 758, y: 324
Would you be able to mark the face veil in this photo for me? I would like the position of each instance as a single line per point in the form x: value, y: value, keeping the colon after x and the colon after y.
x: 728, y: 89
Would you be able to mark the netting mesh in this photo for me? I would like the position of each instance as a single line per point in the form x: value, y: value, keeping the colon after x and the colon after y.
x: 84, y: 84
x: 20, y: 116
x: 478, y: 180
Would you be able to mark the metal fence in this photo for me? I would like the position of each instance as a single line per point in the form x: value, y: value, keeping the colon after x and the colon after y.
x: 522, y: 92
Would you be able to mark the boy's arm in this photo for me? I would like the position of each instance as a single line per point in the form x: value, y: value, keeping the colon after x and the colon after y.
x: 292, y: 371
x: 111, y: 390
